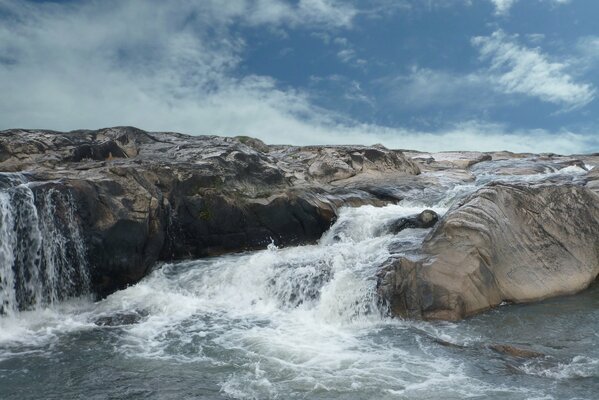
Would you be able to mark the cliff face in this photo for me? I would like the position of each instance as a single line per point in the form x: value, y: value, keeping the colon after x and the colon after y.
x: 142, y: 197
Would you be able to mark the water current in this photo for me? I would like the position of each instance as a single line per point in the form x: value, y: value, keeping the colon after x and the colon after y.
x: 281, y: 323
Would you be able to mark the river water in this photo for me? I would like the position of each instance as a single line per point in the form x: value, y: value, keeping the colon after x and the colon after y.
x: 299, y: 323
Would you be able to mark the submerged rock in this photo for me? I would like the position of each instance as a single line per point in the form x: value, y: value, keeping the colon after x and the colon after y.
x: 122, y: 318
x: 514, y: 351
x: 506, y: 242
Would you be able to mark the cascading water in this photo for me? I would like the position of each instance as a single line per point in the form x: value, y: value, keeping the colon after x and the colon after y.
x: 290, y: 323
x: 42, y: 253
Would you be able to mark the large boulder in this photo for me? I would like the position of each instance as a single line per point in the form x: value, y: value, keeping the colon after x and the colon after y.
x: 505, y: 243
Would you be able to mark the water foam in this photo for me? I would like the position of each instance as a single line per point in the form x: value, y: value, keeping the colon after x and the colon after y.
x: 285, y: 322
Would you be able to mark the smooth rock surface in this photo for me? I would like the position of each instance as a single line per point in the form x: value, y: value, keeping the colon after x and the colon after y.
x: 506, y: 242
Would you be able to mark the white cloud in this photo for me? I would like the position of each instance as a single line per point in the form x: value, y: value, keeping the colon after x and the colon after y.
x: 172, y: 66
x: 502, y: 7
x: 423, y: 87
x: 162, y: 65
x: 535, y: 38
x: 305, y: 12
x: 588, y: 47
x: 517, y: 69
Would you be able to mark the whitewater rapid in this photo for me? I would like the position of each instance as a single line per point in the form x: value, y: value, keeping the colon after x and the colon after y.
x: 299, y: 322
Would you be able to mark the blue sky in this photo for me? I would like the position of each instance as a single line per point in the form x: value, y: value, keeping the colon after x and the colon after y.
x: 519, y: 75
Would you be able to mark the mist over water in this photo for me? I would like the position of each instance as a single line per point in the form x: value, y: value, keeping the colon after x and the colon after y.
x: 295, y: 323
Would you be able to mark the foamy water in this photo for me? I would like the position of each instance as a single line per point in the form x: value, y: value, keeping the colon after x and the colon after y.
x: 301, y: 322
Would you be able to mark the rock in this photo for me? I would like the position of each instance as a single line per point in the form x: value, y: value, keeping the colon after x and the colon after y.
x: 449, y: 159
x: 122, y: 318
x: 514, y: 351
x: 254, y: 143
x: 530, y: 166
x: 426, y: 219
x: 144, y: 196
x: 592, y: 180
x: 515, y: 243
x: 328, y: 164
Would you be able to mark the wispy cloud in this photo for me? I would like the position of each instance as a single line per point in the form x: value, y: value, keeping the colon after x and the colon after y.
x: 502, y: 7
x: 422, y: 88
x: 515, y: 68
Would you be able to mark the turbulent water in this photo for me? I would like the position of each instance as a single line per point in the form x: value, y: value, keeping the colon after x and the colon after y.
x: 295, y: 323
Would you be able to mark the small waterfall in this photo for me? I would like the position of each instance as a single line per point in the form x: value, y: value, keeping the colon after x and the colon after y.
x: 42, y: 253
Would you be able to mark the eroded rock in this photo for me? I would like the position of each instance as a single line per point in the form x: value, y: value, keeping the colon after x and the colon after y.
x: 148, y: 196
x: 516, y: 243
x: 426, y: 219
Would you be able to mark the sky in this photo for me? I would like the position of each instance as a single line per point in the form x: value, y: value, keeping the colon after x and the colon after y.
x: 519, y: 75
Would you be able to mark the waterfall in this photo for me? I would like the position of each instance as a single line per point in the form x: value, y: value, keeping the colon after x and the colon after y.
x: 42, y: 253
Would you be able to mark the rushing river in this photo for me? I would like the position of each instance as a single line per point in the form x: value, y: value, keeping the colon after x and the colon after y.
x: 298, y: 323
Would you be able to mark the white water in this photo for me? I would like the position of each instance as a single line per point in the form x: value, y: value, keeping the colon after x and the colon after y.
x: 300, y: 322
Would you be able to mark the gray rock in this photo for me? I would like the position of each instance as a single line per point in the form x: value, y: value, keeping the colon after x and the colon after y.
x: 592, y: 180
x: 426, y: 219
x: 148, y: 196
x: 515, y: 243
x: 514, y: 351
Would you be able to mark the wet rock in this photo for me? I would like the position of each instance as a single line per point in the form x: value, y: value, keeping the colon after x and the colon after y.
x: 514, y: 351
x: 143, y: 196
x: 515, y: 243
x: 426, y: 219
x: 122, y: 318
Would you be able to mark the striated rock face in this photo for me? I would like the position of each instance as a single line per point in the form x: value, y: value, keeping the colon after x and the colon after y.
x: 505, y: 243
x: 143, y: 197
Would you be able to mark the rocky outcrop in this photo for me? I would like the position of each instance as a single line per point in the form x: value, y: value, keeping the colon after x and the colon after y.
x: 451, y: 159
x: 142, y: 197
x: 328, y: 164
x: 505, y: 243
